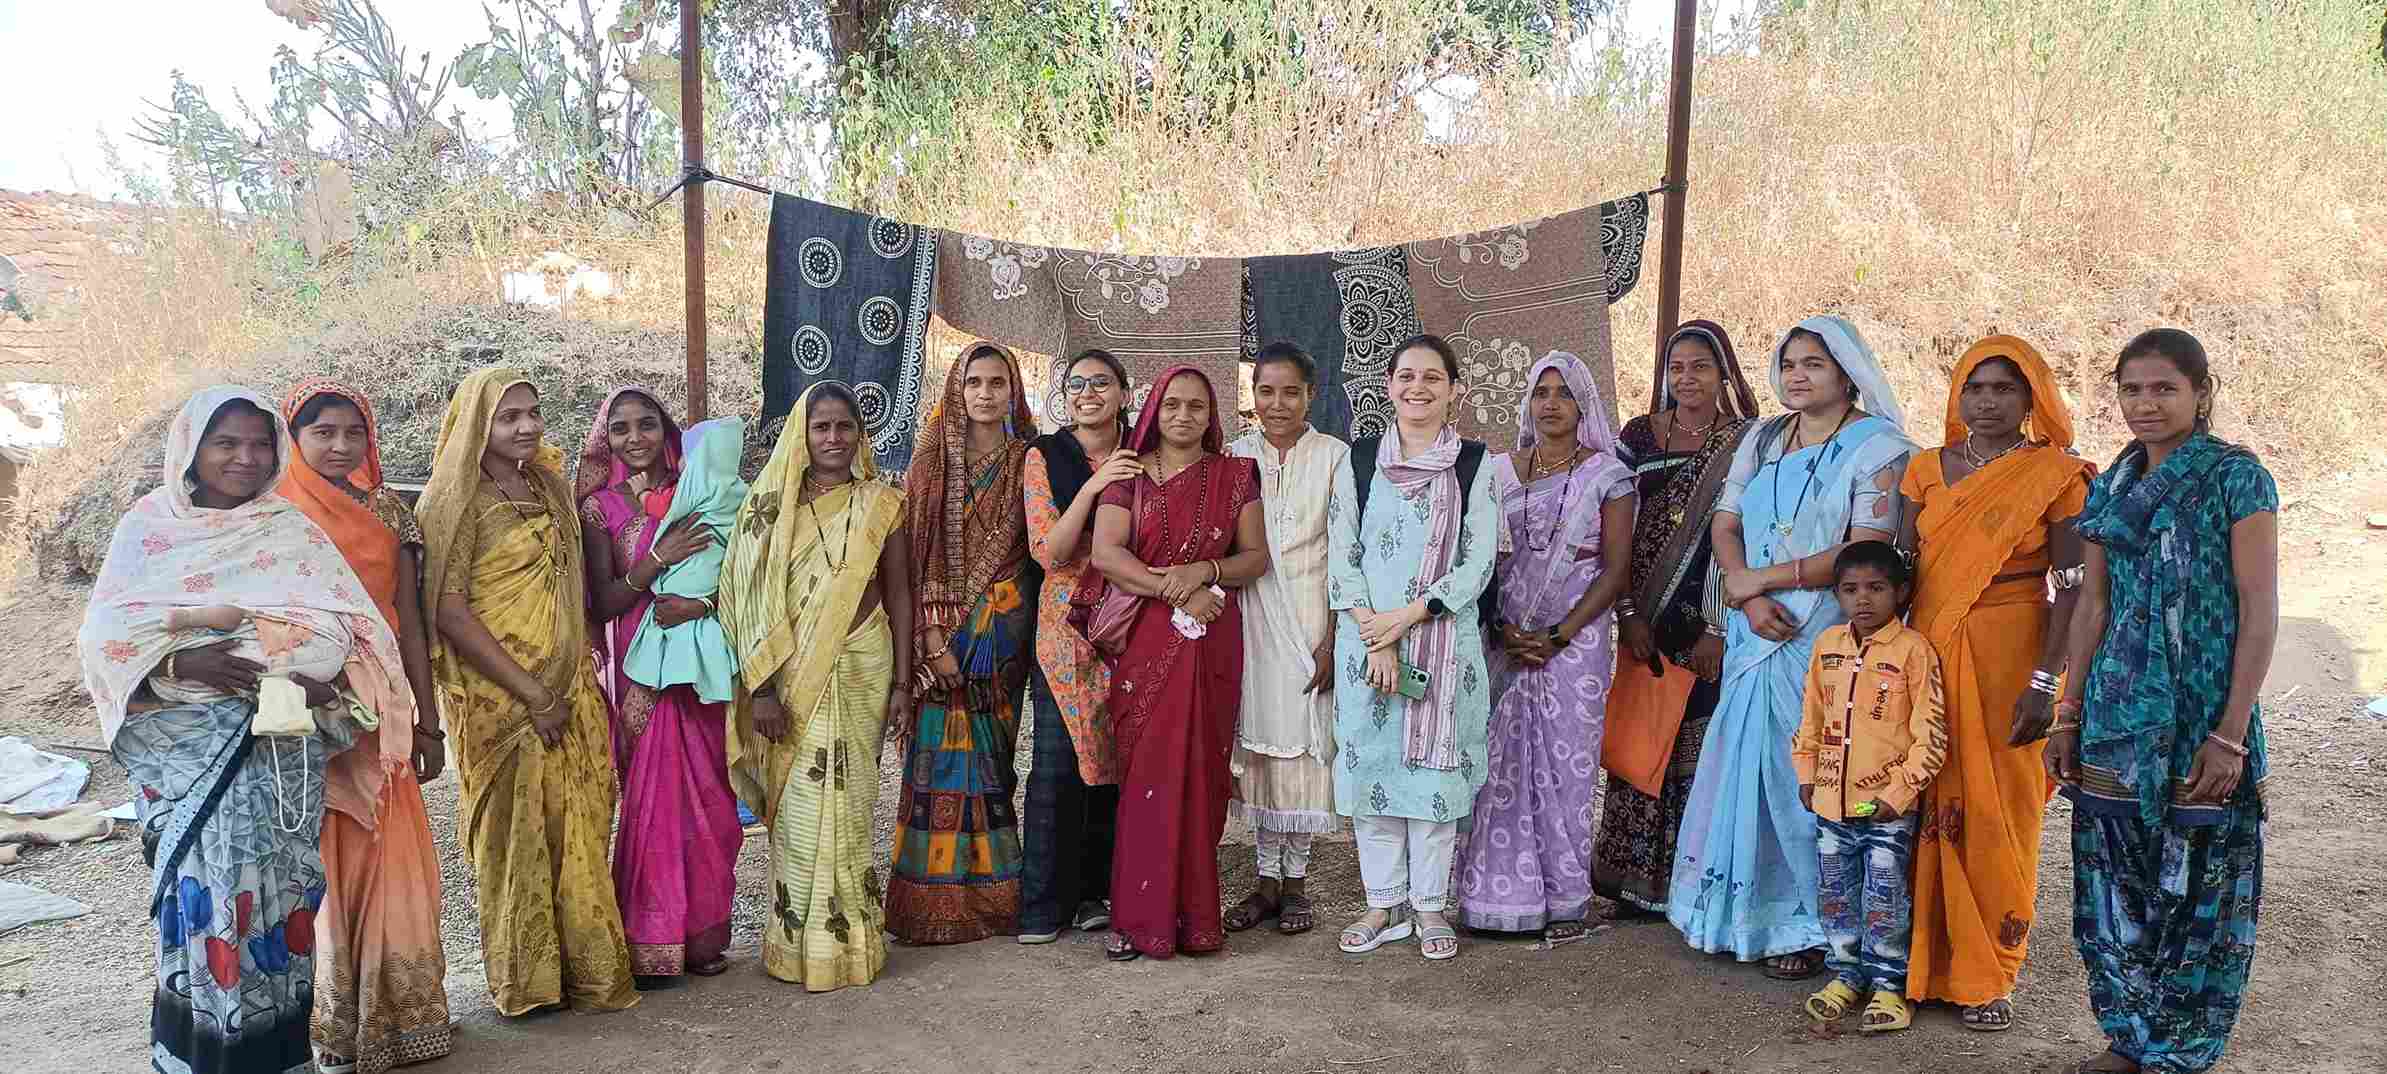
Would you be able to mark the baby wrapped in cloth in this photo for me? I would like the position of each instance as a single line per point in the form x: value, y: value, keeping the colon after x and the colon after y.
x: 285, y: 643
x: 696, y: 653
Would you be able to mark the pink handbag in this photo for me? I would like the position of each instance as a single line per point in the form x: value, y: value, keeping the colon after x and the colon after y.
x: 1103, y: 612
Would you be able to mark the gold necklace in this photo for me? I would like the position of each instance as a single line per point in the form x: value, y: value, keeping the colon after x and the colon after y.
x: 1974, y: 457
x: 549, y: 537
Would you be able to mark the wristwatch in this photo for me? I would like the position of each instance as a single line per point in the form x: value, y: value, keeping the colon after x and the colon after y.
x: 1434, y: 606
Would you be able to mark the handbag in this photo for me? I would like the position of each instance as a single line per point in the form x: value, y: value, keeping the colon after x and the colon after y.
x: 1106, y: 614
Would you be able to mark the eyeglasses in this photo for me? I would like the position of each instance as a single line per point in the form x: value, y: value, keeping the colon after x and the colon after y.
x: 1082, y: 385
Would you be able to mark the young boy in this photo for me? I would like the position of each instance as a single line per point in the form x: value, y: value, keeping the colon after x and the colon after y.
x: 1873, y: 736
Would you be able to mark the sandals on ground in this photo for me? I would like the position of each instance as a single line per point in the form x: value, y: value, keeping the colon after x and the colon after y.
x: 1296, y: 915
x: 1359, y: 939
x: 1429, y: 936
x: 1832, y: 1002
x: 1995, y: 1016
x: 715, y: 968
x: 1118, y: 948
x: 1254, y: 908
x: 1887, y: 1013
x: 1795, y: 966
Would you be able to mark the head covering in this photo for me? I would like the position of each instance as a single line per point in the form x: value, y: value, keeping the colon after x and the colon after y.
x: 1856, y: 361
x: 600, y: 468
x: 263, y: 556
x: 955, y: 572
x: 369, y: 544
x: 456, y: 475
x: 1146, y: 435
x: 1735, y: 400
x: 1592, y: 429
x: 2050, y: 420
x: 785, y: 612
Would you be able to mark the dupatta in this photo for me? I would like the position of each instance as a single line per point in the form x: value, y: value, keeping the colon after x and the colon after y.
x: 455, y: 478
x: 961, y: 545
x: 785, y: 609
x: 695, y: 653
x: 1997, y: 506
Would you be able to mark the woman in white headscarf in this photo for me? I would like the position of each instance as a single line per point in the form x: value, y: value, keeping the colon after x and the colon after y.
x: 1802, y: 486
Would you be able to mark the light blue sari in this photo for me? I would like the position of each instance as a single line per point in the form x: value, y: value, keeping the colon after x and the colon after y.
x: 1745, y: 871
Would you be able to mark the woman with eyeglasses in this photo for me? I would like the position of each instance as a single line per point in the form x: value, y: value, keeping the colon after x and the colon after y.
x: 1073, y: 794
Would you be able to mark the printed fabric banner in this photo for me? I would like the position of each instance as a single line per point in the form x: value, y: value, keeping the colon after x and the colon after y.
x: 888, y: 306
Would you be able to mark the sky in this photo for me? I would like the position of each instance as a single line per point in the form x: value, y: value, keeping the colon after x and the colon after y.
x: 55, y: 99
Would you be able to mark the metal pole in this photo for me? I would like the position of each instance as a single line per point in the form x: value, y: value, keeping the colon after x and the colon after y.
x: 1678, y: 166
x: 692, y: 200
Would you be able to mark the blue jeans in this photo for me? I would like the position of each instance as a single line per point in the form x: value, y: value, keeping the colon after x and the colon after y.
x: 1865, y: 900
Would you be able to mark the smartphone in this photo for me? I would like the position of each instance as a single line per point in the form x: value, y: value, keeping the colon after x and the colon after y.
x: 1414, y: 682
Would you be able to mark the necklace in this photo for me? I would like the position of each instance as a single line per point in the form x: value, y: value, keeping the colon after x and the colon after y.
x: 1674, y: 425
x: 547, y: 548
x: 1557, y: 515
x: 1160, y: 478
x: 844, y: 538
x: 1786, y: 524
x: 1974, y: 457
x: 1537, y: 471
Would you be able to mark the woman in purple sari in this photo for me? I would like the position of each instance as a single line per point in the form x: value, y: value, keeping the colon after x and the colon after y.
x: 1566, y: 506
x: 675, y: 859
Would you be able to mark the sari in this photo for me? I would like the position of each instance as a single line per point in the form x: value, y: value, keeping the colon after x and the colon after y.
x: 2165, y: 891
x: 1746, y: 866
x: 533, y: 819
x: 795, y: 574
x: 380, y: 972
x: 675, y: 861
x: 1174, y: 699
x: 1656, y: 722
x: 229, y: 818
x: 1981, y: 598
x: 956, y: 876
x: 1527, y: 860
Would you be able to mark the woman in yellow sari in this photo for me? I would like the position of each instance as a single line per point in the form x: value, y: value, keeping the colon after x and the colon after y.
x: 518, y: 683
x: 815, y: 590
x: 1987, y: 514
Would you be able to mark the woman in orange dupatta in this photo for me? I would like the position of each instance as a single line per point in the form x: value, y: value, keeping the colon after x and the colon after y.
x: 380, y: 992
x: 1987, y: 515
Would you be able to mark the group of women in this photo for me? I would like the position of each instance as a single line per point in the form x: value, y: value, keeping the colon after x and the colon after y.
x: 1445, y: 647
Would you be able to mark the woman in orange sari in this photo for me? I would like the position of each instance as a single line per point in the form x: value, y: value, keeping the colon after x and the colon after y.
x: 380, y: 993
x: 1987, y: 515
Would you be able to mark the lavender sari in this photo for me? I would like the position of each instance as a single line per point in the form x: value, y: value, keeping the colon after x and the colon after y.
x: 1527, y: 863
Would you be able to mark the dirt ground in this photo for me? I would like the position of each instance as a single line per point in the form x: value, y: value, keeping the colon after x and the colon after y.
x: 74, y: 995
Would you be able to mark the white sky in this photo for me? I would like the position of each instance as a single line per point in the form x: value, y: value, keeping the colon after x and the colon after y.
x: 71, y: 70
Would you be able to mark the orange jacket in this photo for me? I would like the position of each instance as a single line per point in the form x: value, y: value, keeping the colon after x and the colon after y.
x: 1875, y: 725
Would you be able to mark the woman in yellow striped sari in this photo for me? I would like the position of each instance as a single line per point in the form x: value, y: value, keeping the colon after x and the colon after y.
x: 815, y: 589
x: 518, y: 683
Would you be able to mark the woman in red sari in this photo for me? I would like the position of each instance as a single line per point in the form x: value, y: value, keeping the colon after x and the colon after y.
x: 1180, y: 538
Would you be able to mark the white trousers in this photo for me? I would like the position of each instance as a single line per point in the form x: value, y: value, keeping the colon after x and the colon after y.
x: 1405, y: 861
x: 1285, y: 855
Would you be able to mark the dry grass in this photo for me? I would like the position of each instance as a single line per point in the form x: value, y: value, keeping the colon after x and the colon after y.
x: 2071, y: 172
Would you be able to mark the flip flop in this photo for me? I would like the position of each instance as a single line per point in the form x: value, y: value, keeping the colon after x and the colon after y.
x: 1810, y: 963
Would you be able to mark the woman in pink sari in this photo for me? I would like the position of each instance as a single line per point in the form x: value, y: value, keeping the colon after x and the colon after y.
x: 1178, y: 539
x: 675, y: 859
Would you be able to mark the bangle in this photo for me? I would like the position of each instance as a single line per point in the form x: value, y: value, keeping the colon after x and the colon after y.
x: 1217, y: 573
x: 1625, y: 607
x: 170, y: 665
x: 1557, y: 640
x: 2043, y: 682
x: 2238, y: 748
x: 1714, y: 630
x: 430, y: 732
x: 2064, y: 727
x: 2068, y: 577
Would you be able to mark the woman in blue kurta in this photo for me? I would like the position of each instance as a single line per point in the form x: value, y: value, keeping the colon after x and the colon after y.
x: 1403, y: 579
x: 1802, y: 486
x: 2160, y: 746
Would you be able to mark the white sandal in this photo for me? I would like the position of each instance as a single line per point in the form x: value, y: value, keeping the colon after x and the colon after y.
x: 1359, y: 939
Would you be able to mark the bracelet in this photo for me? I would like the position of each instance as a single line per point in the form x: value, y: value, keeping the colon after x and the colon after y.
x: 633, y: 584
x: 2068, y: 577
x: 1714, y: 631
x: 430, y: 732
x: 1556, y: 640
x: 2238, y: 748
x: 1218, y: 573
x: 709, y: 607
x: 2043, y: 682
x: 1625, y: 607
x: 170, y: 665
x: 2062, y: 727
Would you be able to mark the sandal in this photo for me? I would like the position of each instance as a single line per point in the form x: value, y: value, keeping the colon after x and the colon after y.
x: 1296, y: 916
x: 1796, y: 966
x: 1118, y: 948
x: 1831, y: 1003
x: 1995, y: 1016
x: 1558, y: 932
x: 1887, y: 1013
x: 1248, y: 914
x: 1359, y: 938
x: 1428, y: 936
x: 715, y: 968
